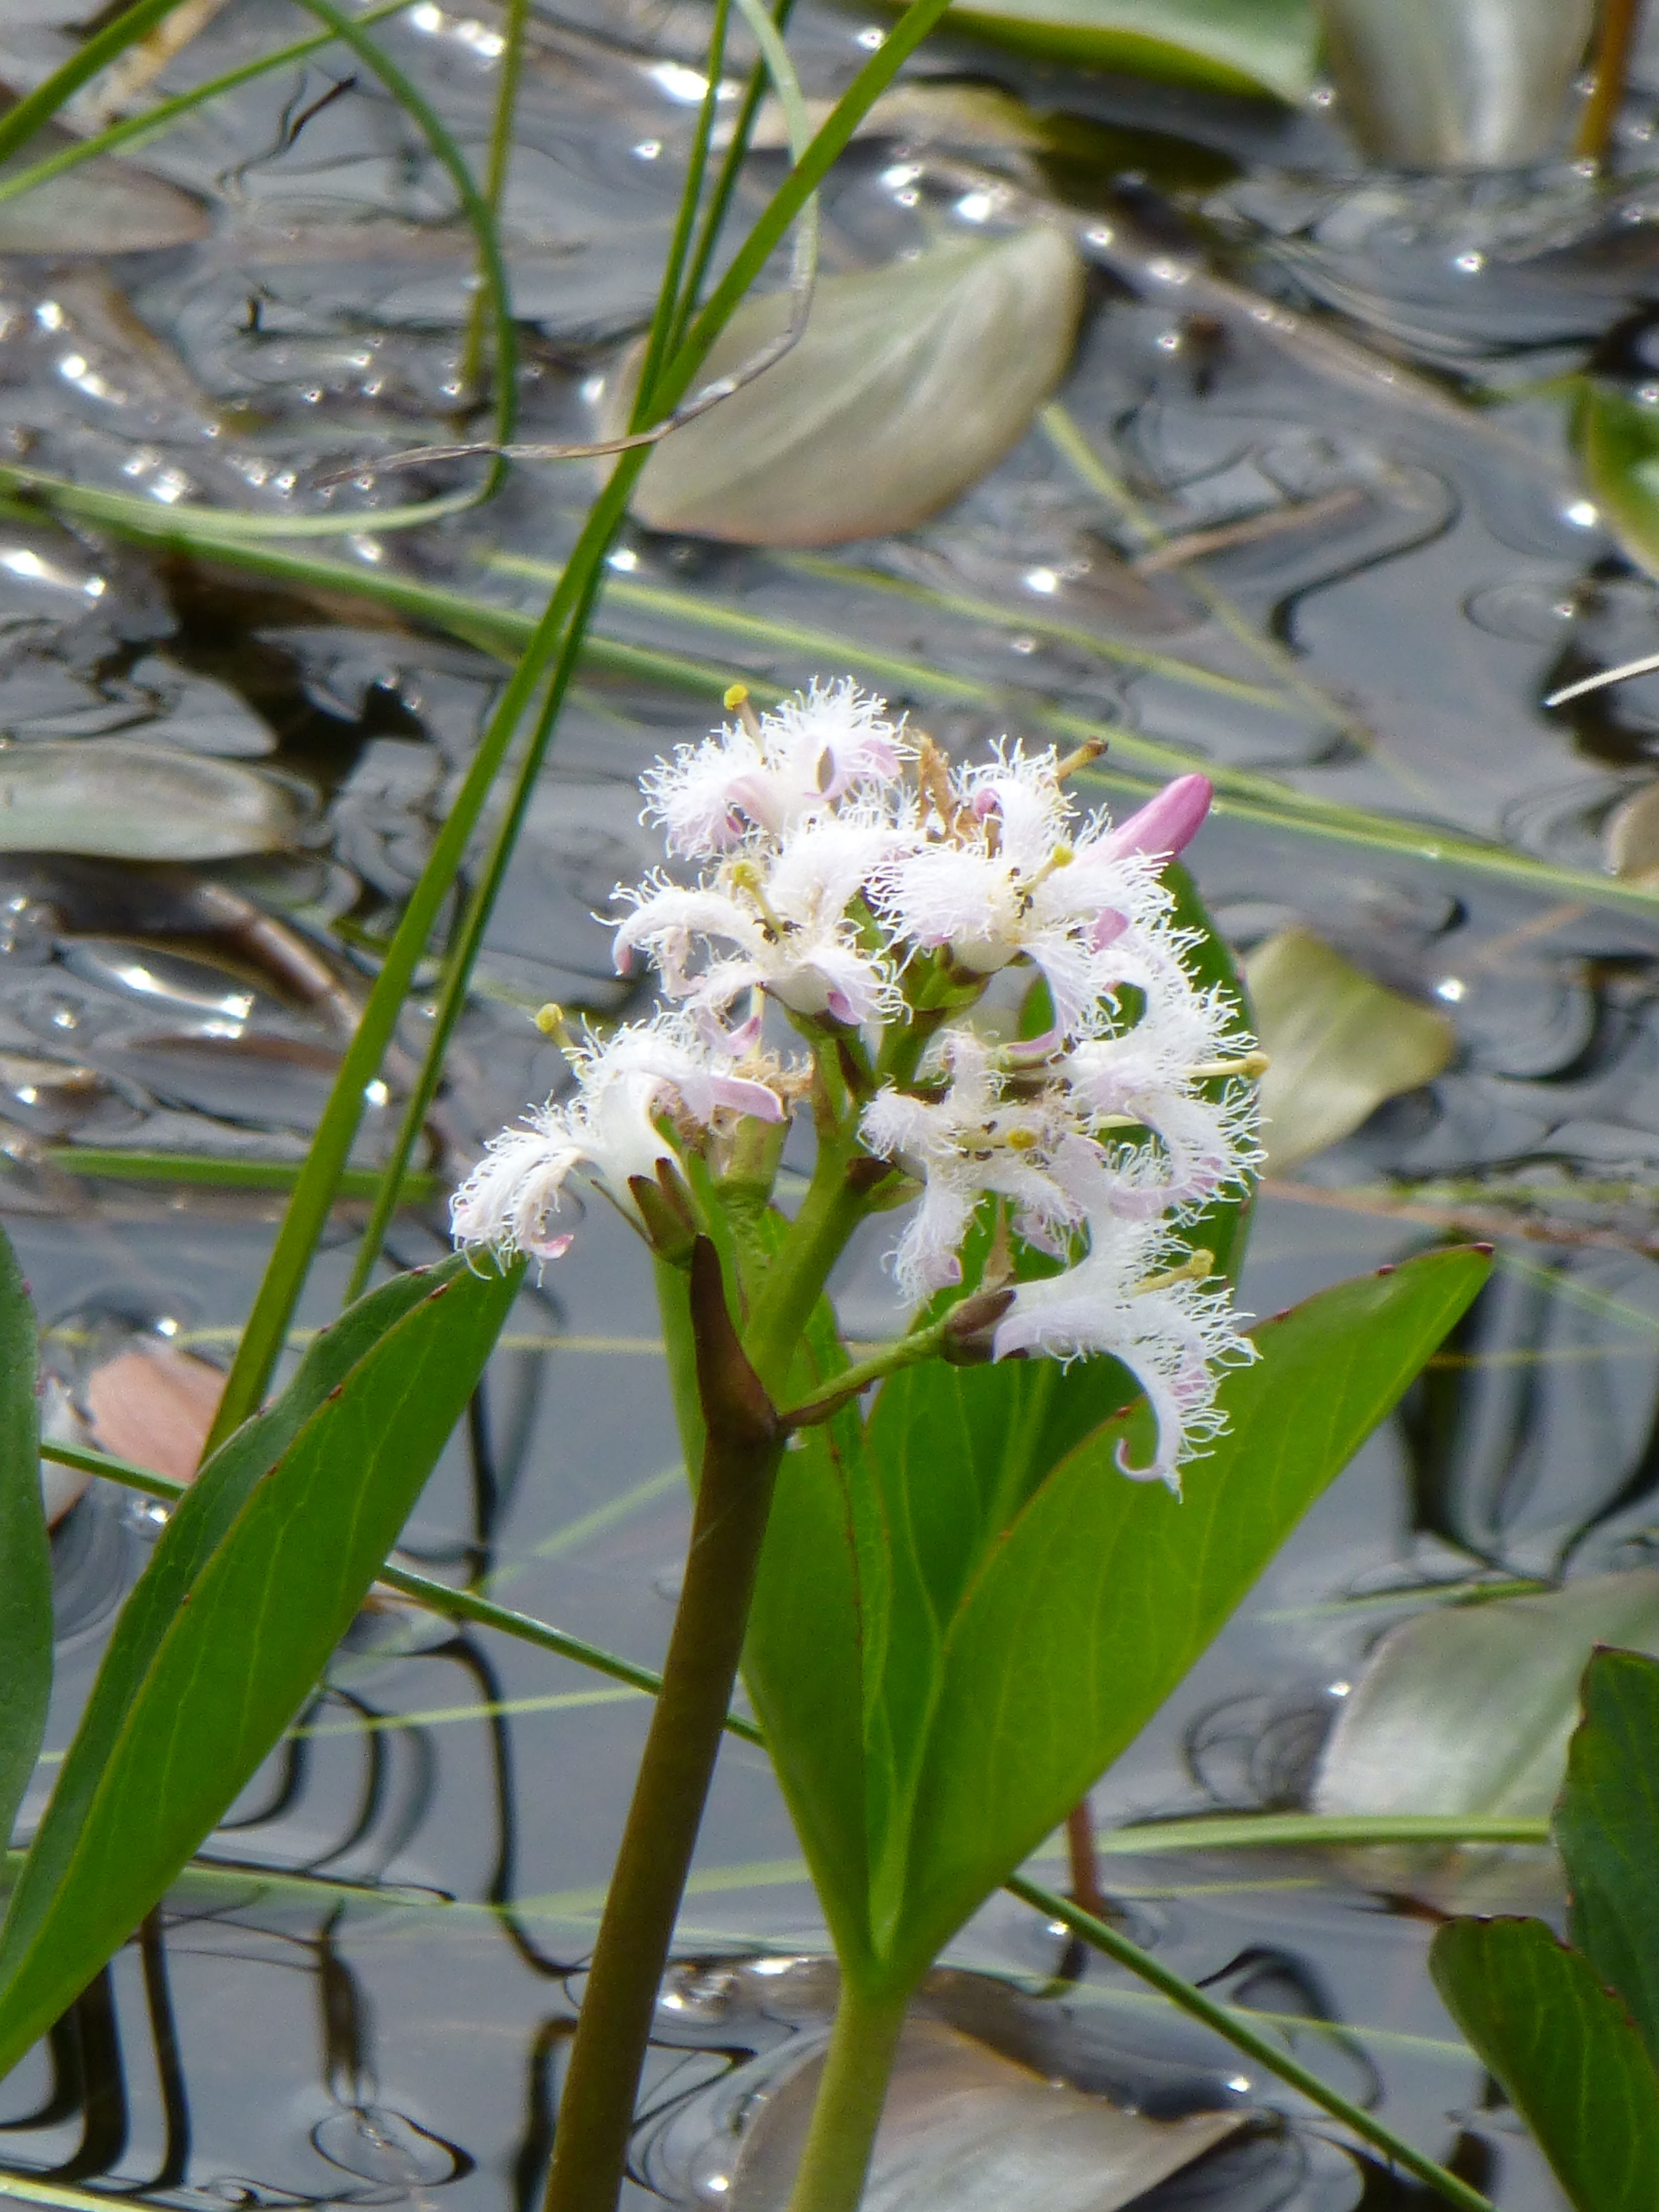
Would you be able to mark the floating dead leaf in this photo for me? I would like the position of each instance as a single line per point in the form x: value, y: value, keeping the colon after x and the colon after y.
x: 119, y: 798
x: 1630, y: 837
x: 155, y: 1406
x: 1455, y: 84
x: 105, y: 206
x: 1468, y: 1709
x: 967, y: 2130
x: 910, y: 382
x: 1338, y: 1044
x: 974, y: 116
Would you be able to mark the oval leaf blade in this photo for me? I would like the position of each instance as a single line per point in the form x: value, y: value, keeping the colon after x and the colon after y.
x: 1564, y: 2050
x: 1607, y: 1826
x: 25, y: 1555
x: 250, y: 1637
x: 1104, y: 1591
x: 910, y: 382
x: 198, y: 1523
x: 105, y: 206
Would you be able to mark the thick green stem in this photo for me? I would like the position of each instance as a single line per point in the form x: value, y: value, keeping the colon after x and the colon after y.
x: 852, y: 2091
x: 743, y: 1443
x: 832, y: 1209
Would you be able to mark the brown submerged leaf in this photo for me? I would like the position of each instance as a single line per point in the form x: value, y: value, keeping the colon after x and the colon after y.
x: 967, y: 2131
x: 105, y: 206
x: 155, y: 1406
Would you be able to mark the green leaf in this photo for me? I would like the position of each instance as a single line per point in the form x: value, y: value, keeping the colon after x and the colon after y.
x: 1565, y: 2052
x: 954, y: 1456
x: 25, y: 1555
x: 1338, y: 1044
x: 1104, y: 1592
x: 910, y: 382
x: 1607, y: 1827
x: 1239, y: 45
x: 1619, y: 447
x: 257, y: 1576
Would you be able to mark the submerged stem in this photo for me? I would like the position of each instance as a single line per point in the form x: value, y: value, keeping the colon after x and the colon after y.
x: 1615, y: 38
x: 743, y: 1445
x: 847, y: 2111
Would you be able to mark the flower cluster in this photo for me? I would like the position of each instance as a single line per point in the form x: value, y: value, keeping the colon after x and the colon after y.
x: 875, y: 893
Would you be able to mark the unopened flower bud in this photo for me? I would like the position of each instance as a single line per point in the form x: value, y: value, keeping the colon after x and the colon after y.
x: 665, y: 1207
x: 970, y: 1327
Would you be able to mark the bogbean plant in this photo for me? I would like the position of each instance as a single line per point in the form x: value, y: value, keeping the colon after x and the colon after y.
x: 961, y: 1572
x: 979, y: 1010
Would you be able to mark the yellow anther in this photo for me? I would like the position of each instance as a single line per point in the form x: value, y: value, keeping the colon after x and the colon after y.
x: 549, y: 1020
x: 745, y: 875
x: 1023, y: 1140
x: 1193, y: 1269
x: 736, y: 701
x: 1061, y: 857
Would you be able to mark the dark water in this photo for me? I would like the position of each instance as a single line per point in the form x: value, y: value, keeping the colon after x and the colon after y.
x: 366, y: 1997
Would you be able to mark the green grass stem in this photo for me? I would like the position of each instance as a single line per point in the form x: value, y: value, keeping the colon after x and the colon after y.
x: 1226, y: 2022
x: 497, y: 163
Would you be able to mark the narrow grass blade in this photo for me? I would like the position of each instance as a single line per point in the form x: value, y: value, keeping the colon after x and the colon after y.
x: 25, y: 1559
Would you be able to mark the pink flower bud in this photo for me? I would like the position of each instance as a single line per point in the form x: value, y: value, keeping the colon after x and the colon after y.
x: 1166, y: 825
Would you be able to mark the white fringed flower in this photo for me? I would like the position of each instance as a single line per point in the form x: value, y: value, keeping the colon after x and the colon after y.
x: 606, y: 1127
x: 1175, y: 1335
x: 784, y: 913
x: 838, y: 857
x: 1011, y: 873
x: 980, y: 1138
x: 1149, y: 1077
x: 793, y: 764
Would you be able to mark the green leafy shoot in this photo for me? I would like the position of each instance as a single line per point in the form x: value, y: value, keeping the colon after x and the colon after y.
x: 920, y: 1764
